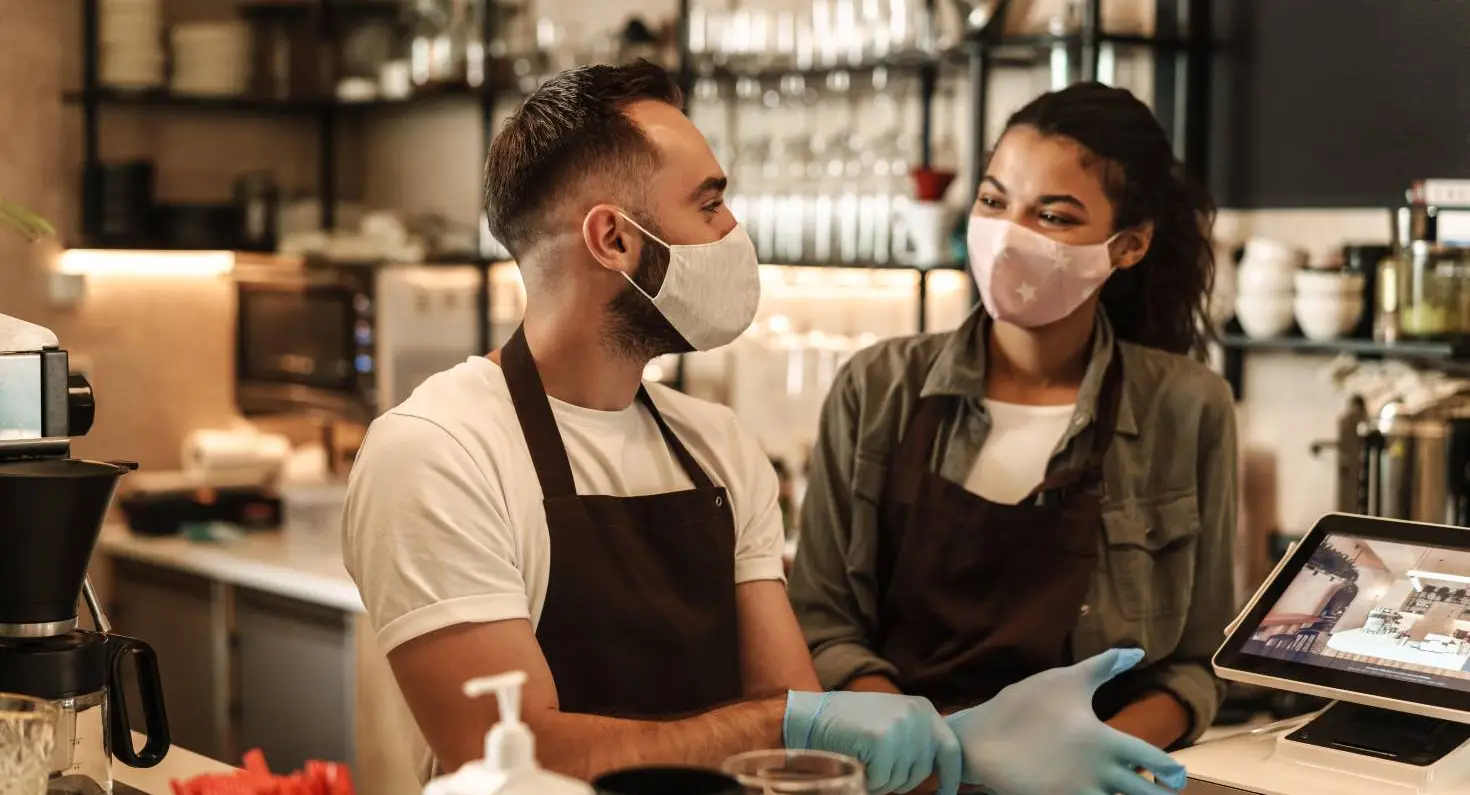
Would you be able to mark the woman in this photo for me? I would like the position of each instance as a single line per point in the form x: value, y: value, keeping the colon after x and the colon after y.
x: 1057, y: 476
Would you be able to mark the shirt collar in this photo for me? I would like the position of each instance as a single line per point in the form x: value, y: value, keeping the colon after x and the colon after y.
x: 959, y: 368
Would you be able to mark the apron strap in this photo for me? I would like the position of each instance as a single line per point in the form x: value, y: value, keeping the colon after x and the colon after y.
x: 533, y: 411
x: 696, y: 473
x: 543, y: 438
x: 912, y: 461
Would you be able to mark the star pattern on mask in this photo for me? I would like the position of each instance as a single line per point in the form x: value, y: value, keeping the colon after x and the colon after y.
x: 1087, y: 292
x: 1059, y: 264
x: 1027, y: 292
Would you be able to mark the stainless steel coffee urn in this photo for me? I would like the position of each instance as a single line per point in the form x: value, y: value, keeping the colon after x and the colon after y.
x: 1414, y: 463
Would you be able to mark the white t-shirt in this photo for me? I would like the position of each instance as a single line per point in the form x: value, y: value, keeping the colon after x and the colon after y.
x: 1013, y: 460
x: 444, y: 525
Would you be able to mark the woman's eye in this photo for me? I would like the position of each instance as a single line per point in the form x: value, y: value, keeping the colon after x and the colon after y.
x: 991, y: 202
x: 1057, y: 220
x: 714, y: 207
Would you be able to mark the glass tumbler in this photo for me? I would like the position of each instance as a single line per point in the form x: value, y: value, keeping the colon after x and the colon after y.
x: 792, y: 772
x: 27, y: 738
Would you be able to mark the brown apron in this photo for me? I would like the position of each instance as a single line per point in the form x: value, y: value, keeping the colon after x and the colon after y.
x: 639, y: 619
x: 977, y: 595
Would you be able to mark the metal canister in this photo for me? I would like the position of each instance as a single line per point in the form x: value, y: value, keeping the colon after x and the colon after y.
x: 1414, y: 464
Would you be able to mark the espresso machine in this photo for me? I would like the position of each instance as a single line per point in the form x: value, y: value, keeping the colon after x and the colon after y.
x: 52, y: 507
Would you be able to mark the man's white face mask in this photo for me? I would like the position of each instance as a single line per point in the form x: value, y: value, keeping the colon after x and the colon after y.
x: 710, y: 291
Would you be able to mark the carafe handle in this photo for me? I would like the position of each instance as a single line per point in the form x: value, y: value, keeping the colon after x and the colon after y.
x: 150, y: 689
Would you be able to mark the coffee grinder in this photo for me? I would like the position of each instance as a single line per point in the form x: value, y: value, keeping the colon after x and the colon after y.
x: 52, y: 507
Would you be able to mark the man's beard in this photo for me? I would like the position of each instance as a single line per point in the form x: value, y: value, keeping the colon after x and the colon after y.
x: 635, y: 328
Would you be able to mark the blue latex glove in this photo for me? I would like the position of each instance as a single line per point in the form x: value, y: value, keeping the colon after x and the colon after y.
x: 1041, y: 737
x: 901, y: 740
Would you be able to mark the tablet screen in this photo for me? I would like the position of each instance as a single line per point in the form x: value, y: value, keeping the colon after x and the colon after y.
x: 20, y: 396
x: 1386, y: 609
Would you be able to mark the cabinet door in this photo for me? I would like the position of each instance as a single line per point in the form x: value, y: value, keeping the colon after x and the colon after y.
x: 183, y: 618
x: 296, y: 680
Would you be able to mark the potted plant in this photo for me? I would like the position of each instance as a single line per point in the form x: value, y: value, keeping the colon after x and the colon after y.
x: 29, y: 225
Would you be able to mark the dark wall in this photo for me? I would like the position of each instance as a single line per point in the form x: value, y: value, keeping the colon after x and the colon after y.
x: 1338, y: 103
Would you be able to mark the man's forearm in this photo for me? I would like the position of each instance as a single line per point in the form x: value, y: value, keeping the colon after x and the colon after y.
x: 586, y: 746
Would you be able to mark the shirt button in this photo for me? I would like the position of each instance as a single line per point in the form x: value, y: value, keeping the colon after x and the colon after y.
x: 1086, y: 609
x: 1079, y: 421
x: 719, y: 501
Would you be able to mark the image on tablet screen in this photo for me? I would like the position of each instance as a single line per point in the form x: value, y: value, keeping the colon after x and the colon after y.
x: 20, y: 397
x: 1381, y: 608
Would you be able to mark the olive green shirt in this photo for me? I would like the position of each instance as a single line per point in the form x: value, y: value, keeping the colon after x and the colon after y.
x: 1165, y: 571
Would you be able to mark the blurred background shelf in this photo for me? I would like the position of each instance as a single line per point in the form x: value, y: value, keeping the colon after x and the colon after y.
x: 160, y: 99
x: 1408, y: 349
x: 922, y: 66
x: 1443, y: 354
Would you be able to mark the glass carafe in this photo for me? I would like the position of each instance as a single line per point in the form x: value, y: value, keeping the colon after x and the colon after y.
x: 79, y: 765
x: 80, y: 676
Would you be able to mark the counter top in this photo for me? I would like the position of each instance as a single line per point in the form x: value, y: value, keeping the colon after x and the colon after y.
x: 308, y: 569
x: 177, y: 764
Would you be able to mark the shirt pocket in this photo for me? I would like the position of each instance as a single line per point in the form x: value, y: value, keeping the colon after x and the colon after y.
x: 1151, y: 554
x: 869, y: 476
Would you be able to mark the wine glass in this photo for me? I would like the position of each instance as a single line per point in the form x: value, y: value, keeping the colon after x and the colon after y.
x: 791, y: 772
x: 27, y: 739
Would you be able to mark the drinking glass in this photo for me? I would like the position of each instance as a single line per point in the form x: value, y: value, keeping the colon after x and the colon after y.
x: 796, y: 773
x: 27, y: 739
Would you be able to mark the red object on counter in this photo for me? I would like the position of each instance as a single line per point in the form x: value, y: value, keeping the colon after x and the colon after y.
x: 931, y: 183
x: 319, y: 778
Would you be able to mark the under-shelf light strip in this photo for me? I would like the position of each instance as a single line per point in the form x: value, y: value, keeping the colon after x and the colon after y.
x: 100, y: 262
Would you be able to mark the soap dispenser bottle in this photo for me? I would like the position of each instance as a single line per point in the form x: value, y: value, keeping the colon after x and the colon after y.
x: 509, y: 766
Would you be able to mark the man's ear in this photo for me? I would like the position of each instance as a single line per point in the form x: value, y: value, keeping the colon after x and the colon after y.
x: 1132, y: 244
x: 611, y: 239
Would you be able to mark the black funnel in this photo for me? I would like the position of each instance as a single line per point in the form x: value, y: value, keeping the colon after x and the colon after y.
x: 51, y: 512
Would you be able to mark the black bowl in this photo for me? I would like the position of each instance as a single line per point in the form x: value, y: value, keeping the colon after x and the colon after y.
x: 667, y: 781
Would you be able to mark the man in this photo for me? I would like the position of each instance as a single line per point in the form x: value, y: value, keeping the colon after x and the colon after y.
x: 540, y: 509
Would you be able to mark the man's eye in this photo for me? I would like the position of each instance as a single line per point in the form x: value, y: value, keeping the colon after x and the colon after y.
x: 714, y: 206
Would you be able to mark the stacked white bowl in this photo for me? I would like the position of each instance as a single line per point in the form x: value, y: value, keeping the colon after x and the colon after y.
x: 1329, y: 303
x: 1264, y: 282
x: 211, y: 58
x: 130, y: 35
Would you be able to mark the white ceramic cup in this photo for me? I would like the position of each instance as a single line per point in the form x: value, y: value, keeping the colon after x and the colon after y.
x: 1264, y: 315
x: 927, y: 225
x: 1327, y: 317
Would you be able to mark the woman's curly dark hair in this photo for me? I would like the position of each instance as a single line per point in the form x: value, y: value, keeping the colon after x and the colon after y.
x: 1162, y: 301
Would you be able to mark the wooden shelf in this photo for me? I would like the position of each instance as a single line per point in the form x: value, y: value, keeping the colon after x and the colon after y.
x: 112, y: 97
x: 1408, y: 349
x: 1441, y: 353
x: 865, y: 266
x: 912, y: 62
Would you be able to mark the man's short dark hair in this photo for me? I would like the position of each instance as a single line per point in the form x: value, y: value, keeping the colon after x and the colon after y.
x: 573, y: 126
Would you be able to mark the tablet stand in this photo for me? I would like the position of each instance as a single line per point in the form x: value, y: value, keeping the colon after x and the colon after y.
x: 1400, y: 751
x: 1383, y: 734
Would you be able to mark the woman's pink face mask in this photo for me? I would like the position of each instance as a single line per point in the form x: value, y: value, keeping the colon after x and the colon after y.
x: 1028, y: 279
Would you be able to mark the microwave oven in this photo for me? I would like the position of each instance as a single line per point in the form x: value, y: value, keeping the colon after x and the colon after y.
x: 347, y: 340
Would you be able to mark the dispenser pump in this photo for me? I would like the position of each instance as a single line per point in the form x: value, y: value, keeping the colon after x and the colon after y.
x: 509, y: 766
x: 509, y: 745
